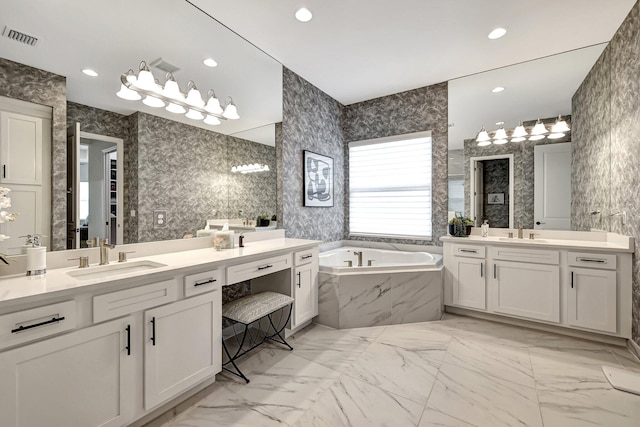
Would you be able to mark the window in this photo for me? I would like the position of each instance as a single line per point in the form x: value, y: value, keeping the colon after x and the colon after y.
x: 456, y: 194
x: 390, y: 186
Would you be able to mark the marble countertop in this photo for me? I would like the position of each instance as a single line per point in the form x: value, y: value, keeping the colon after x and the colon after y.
x: 607, y: 242
x: 20, y: 288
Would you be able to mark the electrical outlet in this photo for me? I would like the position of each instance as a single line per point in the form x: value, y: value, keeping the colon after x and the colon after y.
x: 159, y: 218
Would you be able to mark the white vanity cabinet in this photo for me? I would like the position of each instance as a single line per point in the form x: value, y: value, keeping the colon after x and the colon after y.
x: 84, y: 378
x: 305, y: 287
x: 468, y: 273
x: 182, y: 346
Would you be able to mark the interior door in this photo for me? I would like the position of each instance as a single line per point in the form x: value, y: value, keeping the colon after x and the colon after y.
x: 73, y: 186
x: 552, y: 186
x: 479, y: 192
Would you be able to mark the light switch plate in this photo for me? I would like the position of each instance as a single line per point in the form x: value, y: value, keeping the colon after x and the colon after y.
x: 159, y: 218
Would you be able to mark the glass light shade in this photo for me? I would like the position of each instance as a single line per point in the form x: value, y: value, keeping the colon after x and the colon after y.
x: 500, y: 141
x: 538, y: 129
x: 519, y: 132
x: 536, y: 137
x: 483, y: 136
x: 231, y: 112
x: 175, y: 108
x: 484, y: 143
x: 213, y: 105
x: 560, y: 126
x: 172, y: 90
x: 265, y: 168
x: 194, y: 98
x: 500, y: 134
x: 128, y: 94
x: 211, y: 120
x: 518, y: 139
x: 194, y: 115
x: 154, y: 102
x: 131, y: 78
x: 555, y: 135
x: 145, y: 80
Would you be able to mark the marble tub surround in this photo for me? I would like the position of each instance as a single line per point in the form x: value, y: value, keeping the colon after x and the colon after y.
x: 455, y: 372
x: 601, y: 241
x: 404, y: 247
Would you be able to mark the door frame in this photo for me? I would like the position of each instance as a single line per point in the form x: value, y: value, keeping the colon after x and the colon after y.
x: 472, y: 183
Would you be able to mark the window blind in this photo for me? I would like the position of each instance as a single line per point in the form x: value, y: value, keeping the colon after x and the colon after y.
x: 390, y: 187
x: 456, y: 195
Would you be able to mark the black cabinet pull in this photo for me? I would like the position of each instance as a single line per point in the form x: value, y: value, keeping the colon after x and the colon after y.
x: 128, y: 347
x: 298, y: 279
x: 4, y: 171
x: 495, y: 273
x: 265, y: 267
x: 307, y: 256
x: 35, y: 325
x: 210, y: 280
x: 572, y: 280
x: 153, y: 330
x: 597, y: 260
x: 481, y: 272
x: 471, y: 251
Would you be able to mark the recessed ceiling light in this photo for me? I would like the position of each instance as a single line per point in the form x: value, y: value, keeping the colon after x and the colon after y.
x: 497, y: 33
x: 497, y: 89
x: 210, y: 62
x: 90, y: 72
x: 304, y: 15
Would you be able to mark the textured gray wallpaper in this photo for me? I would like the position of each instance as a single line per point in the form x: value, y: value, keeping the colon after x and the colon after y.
x: 131, y: 180
x: 310, y: 121
x: 95, y: 120
x: 42, y: 87
x: 607, y: 116
x: 416, y: 110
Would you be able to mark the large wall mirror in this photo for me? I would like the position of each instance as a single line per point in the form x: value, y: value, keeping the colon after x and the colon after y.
x: 170, y: 163
x: 526, y: 182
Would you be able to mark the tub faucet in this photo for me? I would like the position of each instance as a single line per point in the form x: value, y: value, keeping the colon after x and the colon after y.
x: 359, y: 255
x: 104, y: 251
x: 520, y: 231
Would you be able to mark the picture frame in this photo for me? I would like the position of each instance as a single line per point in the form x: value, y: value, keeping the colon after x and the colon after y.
x: 495, y: 199
x: 317, y: 180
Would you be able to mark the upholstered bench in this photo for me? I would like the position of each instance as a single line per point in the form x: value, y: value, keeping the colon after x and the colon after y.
x: 253, y: 312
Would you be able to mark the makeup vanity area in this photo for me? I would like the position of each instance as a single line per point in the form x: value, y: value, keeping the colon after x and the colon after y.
x: 105, y: 346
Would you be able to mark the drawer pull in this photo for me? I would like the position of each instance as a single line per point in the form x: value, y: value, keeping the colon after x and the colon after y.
x: 481, y: 268
x: 572, y: 280
x: 298, y: 279
x: 153, y: 331
x: 495, y: 272
x: 264, y: 267
x: 128, y: 347
x: 307, y: 256
x: 35, y: 325
x: 471, y: 251
x: 598, y: 260
x: 209, y: 280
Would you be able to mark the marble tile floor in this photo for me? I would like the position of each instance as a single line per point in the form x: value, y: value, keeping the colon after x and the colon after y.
x: 460, y: 371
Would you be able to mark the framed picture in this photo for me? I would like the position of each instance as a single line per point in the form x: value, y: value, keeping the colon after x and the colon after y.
x: 318, y: 180
x: 495, y: 199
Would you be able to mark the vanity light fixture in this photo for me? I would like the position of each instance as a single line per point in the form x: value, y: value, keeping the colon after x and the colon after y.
x: 89, y: 72
x: 555, y: 135
x: 560, y: 126
x: 250, y: 168
x: 497, y: 33
x: 539, y: 129
x: 304, y: 15
x: 483, y: 137
x: 144, y: 86
x: 500, y: 134
x: 519, y: 131
x: 518, y: 139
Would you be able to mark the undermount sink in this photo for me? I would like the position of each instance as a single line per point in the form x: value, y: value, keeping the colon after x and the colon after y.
x: 105, y: 271
x: 507, y: 239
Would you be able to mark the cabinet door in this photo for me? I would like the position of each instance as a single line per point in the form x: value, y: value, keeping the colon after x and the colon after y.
x: 305, y: 293
x: 469, y: 283
x: 20, y: 149
x: 592, y: 299
x: 526, y: 290
x: 84, y: 378
x: 183, y: 346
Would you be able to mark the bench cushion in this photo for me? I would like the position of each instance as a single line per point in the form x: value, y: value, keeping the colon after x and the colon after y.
x: 253, y: 307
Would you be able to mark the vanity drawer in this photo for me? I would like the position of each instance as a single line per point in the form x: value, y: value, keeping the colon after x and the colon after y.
x: 200, y: 283
x: 36, y: 323
x: 471, y: 251
x: 305, y: 257
x: 535, y: 256
x: 591, y: 260
x: 249, y: 270
x: 121, y: 303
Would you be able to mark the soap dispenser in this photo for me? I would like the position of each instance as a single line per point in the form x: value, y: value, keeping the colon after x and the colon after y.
x: 36, y: 256
x: 485, y: 228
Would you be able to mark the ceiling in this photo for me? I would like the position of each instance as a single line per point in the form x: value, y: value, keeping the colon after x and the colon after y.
x: 359, y: 50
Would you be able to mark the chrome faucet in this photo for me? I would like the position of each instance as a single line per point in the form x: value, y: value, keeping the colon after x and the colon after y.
x: 520, y: 231
x: 359, y: 255
x: 104, y: 251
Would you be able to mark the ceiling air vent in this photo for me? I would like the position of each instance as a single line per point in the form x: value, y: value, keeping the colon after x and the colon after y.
x: 163, y: 65
x: 19, y: 37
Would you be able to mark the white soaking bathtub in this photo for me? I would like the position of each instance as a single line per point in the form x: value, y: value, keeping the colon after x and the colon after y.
x: 398, y: 287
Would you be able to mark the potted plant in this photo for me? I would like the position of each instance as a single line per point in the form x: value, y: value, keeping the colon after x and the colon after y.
x: 262, y: 221
x: 460, y: 226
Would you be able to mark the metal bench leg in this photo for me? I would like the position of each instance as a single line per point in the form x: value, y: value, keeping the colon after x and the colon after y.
x: 277, y: 332
x: 231, y: 360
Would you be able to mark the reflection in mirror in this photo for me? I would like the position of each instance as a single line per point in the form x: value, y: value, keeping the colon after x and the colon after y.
x: 170, y: 162
x: 543, y: 89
